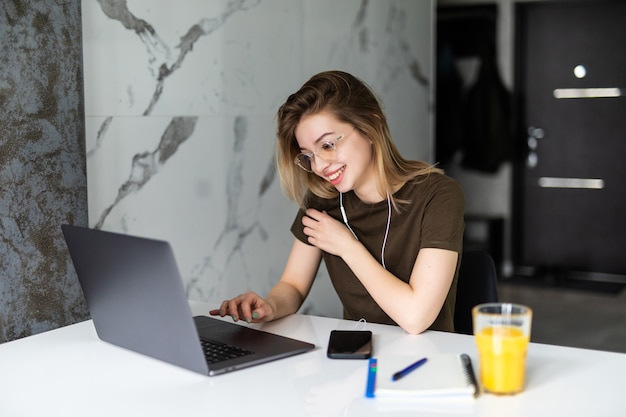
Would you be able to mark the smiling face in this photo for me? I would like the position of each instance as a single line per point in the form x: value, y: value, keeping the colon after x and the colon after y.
x: 351, y: 166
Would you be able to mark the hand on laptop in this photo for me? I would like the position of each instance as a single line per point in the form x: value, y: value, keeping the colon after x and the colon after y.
x: 249, y: 307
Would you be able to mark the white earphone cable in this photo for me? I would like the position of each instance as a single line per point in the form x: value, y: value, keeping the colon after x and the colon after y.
x: 343, y: 214
x: 345, y: 220
x: 382, y: 251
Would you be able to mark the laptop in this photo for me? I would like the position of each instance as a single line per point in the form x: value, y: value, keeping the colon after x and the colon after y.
x: 137, y: 301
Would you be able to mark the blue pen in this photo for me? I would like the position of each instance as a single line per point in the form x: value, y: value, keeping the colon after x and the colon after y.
x: 408, y: 369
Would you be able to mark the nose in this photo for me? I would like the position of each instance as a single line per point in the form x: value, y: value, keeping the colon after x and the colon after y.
x: 319, y: 164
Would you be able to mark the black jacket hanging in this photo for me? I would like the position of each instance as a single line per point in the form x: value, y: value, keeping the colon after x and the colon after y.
x: 487, y: 120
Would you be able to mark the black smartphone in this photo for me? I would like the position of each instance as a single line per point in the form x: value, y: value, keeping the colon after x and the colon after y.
x: 350, y: 344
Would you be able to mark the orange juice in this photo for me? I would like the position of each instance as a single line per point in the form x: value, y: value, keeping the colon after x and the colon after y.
x: 502, y: 354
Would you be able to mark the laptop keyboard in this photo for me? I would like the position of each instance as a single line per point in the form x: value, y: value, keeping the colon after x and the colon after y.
x: 217, y: 352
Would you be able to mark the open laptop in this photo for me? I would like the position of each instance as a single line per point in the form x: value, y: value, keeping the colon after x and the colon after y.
x: 137, y: 301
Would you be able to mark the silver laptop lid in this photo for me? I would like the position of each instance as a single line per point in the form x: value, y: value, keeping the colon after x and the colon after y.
x: 135, y: 295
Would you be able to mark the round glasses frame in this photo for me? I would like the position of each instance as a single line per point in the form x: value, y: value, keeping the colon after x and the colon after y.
x: 324, y: 150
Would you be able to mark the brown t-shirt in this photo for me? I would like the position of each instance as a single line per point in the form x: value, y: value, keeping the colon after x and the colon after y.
x: 432, y: 219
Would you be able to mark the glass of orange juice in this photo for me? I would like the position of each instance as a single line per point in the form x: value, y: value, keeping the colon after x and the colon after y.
x: 502, y: 334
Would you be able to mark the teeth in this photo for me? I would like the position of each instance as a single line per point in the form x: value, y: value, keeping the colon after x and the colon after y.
x: 336, y: 174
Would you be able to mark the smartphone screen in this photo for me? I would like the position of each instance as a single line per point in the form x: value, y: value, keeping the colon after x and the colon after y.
x: 350, y: 344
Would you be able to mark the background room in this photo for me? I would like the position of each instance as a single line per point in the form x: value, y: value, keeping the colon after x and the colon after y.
x: 502, y: 133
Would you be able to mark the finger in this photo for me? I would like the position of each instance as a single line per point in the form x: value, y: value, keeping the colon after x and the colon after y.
x: 258, y: 315
x: 308, y: 222
x: 260, y: 310
x: 221, y: 311
x: 233, y: 307
x: 241, y: 306
x: 313, y: 214
x: 245, y: 311
x: 261, y: 313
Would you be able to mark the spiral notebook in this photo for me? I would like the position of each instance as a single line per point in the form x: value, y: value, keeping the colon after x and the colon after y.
x: 442, y: 375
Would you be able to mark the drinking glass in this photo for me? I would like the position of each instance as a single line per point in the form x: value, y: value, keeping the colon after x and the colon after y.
x: 502, y: 334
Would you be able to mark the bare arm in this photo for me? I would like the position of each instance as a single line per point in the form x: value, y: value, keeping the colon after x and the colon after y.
x: 416, y: 305
x: 290, y: 292
x: 285, y: 297
x: 413, y: 305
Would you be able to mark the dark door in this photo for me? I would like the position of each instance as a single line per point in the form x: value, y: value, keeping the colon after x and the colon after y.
x: 570, y: 176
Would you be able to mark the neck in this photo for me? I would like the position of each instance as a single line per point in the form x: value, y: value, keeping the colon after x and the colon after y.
x: 373, y: 195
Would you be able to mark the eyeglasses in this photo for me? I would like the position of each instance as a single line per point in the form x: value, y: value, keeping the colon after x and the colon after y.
x: 324, y: 150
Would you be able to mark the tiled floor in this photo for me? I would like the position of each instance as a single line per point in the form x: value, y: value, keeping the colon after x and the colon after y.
x: 568, y: 317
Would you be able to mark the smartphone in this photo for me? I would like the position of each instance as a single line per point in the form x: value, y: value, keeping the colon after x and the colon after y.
x: 350, y: 344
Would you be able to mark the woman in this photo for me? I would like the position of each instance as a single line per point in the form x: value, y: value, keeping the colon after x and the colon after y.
x: 389, y: 230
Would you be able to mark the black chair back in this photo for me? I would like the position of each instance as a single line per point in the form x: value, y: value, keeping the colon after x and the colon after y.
x: 477, y: 284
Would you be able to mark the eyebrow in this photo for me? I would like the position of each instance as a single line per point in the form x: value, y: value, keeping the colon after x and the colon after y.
x: 322, y: 136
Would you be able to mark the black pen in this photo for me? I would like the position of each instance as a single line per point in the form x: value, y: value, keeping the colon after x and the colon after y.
x: 408, y: 369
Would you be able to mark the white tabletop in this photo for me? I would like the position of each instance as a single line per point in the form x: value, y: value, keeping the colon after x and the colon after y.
x: 70, y: 372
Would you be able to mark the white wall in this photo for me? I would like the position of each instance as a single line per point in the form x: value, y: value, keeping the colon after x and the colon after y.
x: 180, y: 102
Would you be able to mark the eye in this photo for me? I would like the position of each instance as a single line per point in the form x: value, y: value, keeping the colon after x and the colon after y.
x: 327, y: 146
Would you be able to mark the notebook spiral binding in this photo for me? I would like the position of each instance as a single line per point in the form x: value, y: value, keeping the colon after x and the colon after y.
x: 469, y: 372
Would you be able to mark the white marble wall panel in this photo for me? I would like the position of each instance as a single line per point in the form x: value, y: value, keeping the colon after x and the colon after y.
x: 180, y: 103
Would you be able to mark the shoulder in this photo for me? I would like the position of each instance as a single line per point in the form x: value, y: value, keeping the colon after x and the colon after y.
x: 319, y: 203
x: 433, y: 193
x: 434, y: 184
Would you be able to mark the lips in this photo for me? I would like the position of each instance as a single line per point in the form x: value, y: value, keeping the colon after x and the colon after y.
x: 335, y: 175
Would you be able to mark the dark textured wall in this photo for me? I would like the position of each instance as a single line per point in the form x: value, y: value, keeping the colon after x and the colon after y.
x: 42, y: 164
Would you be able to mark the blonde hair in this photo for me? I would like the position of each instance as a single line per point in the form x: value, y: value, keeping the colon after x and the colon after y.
x: 350, y: 101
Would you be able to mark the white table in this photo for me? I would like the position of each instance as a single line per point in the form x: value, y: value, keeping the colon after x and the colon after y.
x: 70, y: 372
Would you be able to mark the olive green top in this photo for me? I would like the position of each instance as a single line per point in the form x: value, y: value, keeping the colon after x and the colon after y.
x: 432, y: 219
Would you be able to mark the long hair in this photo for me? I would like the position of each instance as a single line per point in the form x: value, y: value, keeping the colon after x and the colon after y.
x: 351, y: 101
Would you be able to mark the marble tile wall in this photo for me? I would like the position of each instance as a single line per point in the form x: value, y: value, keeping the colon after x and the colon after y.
x: 180, y: 102
x: 42, y: 164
